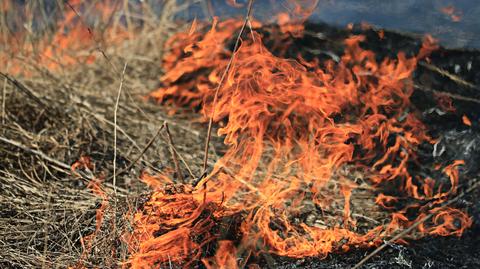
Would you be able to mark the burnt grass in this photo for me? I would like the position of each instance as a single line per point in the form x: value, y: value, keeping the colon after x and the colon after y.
x: 46, y: 208
x: 439, y: 252
x: 429, y: 252
x: 448, y: 72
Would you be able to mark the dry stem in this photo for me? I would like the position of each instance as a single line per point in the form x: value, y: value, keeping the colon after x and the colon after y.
x: 220, y: 84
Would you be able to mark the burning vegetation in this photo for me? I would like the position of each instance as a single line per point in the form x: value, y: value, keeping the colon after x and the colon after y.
x: 320, y: 142
x: 297, y: 131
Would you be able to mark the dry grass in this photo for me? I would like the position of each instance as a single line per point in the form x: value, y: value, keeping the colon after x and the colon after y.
x: 51, y: 119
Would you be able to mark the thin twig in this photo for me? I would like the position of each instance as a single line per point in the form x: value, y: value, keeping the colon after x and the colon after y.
x: 90, y: 32
x: 117, y: 101
x: 205, y: 178
x: 174, y: 154
x: 449, y: 75
x: 415, y: 225
x: 207, y: 9
x: 134, y: 143
x: 184, y: 162
x: 115, y: 131
x: 220, y: 84
x: 34, y: 151
x: 4, y: 97
x: 126, y: 8
x: 61, y: 165
x: 45, y: 240
x: 139, y: 155
x: 24, y: 89
x: 120, y: 129
x: 451, y: 95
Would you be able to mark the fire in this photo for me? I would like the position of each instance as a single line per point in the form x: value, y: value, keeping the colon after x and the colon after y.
x: 73, y: 41
x: 291, y: 127
x: 226, y: 256
x: 466, y: 120
x: 296, y: 130
x: 174, y: 228
x: 95, y: 185
x: 454, y: 14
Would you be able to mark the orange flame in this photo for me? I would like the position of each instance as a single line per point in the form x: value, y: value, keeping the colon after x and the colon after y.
x: 73, y: 41
x: 290, y: 126
x: 225, y: 258
x: 286, y: 142
x: 466, y: 120
x: 95, y: 186
x: 172, y: 227
x: 454, y: 14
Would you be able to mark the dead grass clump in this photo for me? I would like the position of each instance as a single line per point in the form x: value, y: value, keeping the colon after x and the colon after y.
x: 51, y: 118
